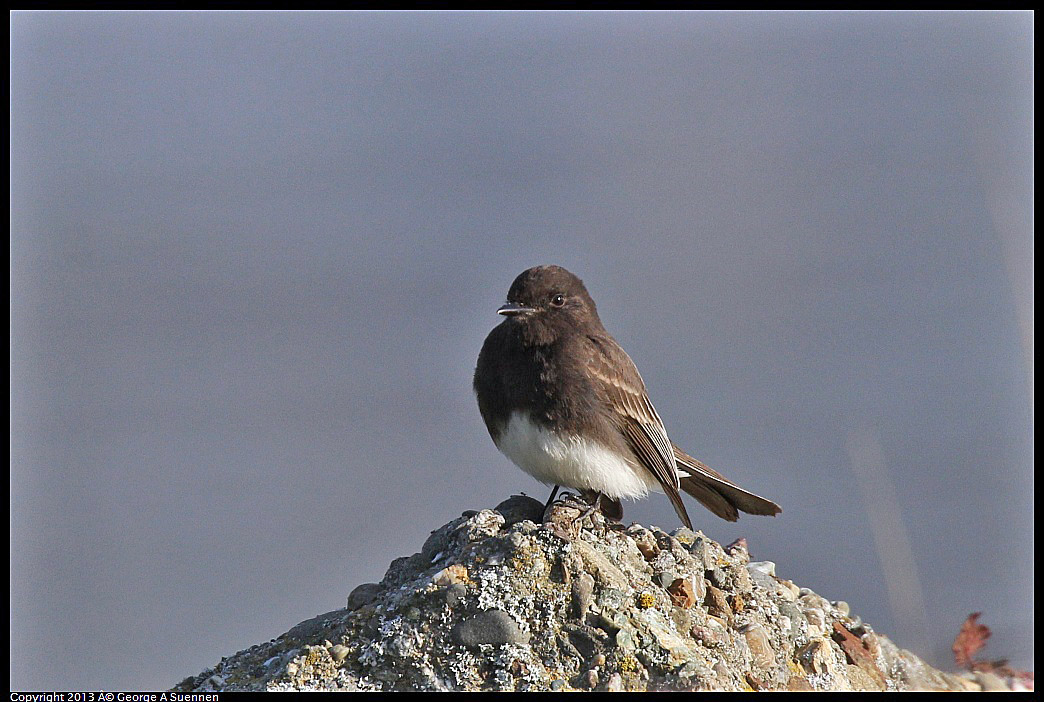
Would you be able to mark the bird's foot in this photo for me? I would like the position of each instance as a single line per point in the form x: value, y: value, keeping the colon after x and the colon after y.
x: 567, y: 514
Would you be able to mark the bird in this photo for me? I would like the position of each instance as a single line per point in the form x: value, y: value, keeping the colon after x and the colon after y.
x: 565, y: 403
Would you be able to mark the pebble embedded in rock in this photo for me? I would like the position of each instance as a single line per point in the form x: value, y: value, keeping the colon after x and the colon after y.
x: 451, y: 575
x: 583, y: 593
x: 763, y: 567
x: 817, y: 658
x: 454, y: 593
x: 684, y: 535
x: 682, y: 593
x: 493, y: 626
x: 519, y: 508
x: 760, y: 646
x: 363, y: 595
x: 601, y: 567
x: 815, y: 618
x: 707, y: 636
x: 625, y: 640
x: 991, y: 682
x: 666, y: 578
x: 741, y: 580
x: 646, y: 544
x: 716, y: 602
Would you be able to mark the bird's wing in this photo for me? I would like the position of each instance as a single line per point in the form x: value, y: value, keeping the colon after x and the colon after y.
x: 621, y: 385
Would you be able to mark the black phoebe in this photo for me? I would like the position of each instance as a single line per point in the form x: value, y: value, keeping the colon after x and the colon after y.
x: 565, y: 403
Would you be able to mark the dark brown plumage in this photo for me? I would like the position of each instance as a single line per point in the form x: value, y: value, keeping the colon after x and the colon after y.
x: 566, y: 403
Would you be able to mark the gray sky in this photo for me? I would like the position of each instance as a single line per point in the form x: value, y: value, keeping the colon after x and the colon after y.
x: 254, y: 257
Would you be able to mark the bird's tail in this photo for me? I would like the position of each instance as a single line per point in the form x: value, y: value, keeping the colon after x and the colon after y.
x: 716, y: 493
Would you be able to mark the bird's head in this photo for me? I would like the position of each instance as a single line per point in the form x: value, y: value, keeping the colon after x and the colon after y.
x: 549, y: 296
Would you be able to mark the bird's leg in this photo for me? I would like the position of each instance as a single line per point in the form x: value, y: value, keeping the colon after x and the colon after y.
x: 550, y: 501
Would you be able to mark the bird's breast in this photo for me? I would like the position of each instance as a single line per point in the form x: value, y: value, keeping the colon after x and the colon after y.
x: 570, y: 460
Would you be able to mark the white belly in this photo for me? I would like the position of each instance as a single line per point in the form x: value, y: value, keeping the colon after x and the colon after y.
x: 571, y: 461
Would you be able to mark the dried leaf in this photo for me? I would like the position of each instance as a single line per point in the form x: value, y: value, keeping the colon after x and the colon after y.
x: 971, y: 638
x: 998, y: 666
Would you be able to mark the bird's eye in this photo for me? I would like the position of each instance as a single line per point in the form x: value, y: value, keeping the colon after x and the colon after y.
x: 558, y: 300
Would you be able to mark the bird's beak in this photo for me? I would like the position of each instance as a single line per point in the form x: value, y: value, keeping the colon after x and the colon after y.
x: 512, y: 309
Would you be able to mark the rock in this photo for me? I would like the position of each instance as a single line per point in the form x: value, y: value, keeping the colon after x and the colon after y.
x: 496, y: 600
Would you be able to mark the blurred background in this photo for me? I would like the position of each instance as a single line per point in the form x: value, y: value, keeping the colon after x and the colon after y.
x: 254, y: 257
